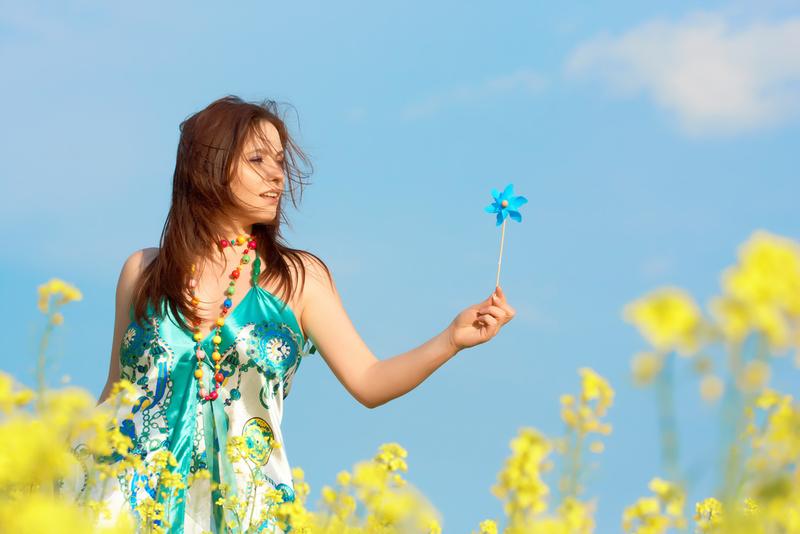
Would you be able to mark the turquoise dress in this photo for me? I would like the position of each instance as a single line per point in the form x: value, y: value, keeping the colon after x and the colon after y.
x: 261, y: 349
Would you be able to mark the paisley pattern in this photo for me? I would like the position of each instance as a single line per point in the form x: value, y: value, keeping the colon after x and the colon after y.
x: 262, y: 347
x: 257, y: 434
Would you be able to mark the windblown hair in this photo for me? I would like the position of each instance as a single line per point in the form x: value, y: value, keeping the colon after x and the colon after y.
x: 209, y: 151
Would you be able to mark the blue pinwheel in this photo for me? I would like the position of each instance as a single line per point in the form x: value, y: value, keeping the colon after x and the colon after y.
x: 506, y: 204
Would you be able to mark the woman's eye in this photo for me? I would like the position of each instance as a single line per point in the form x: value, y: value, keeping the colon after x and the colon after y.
x: 259, y: 159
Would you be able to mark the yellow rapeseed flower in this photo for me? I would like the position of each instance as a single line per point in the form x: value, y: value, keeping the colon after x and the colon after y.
x: 755, y: 375
x: 668, y: 318
x: 520, y: 483
x: 488, y: 526
x: 711, y: 388
x: 645, y: 367
x: 60, y: 289
x: 762, y: 291
x: 10, y: 400
x: 768, y: 273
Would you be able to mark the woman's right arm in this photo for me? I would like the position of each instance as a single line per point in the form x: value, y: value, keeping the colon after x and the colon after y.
x: 128, y: 276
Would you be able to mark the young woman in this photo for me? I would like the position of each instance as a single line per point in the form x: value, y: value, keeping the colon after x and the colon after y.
x: 238, y: 310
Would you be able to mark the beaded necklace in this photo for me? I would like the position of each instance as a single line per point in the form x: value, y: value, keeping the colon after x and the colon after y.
x: 226, y: 306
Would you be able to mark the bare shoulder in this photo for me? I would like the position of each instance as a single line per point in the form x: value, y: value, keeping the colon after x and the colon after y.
x: 129, y: 275
x: 317, y: 273
x: 317, y: 278
x: 135, y: 264
x: 132, y: 269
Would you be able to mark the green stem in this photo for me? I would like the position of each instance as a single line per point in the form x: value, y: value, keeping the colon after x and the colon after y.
x: 41, y: 361
x: 735, y: 406
x: 253, y: 498
x: 666, y: 418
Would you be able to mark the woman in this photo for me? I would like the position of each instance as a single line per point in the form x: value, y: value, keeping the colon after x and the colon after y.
x: 217, y: 360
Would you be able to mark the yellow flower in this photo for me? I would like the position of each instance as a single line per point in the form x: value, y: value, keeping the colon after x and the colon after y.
x: 391, y: 456
x: 767, y: 399
x: 9, y: 399
x: 583, y: 414
x: 596, y: 447
x: 488, y: 526
x: 646, y: 514
x: 711, y: 388
x: 732, y: 318
x: 768, y: 272
x: 761, y: 292
x: 708, y: 514
x: 520, y: 482
x: 43, y: 513
x: 755, y: 375
x: 329, y: 495
x: 668, y: 318
x: 343, y: 478
x: 645, y: 366
x: 58, y: 288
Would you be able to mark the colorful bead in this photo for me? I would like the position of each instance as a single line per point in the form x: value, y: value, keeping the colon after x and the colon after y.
x: 504, y: 203
x: 219, y: 377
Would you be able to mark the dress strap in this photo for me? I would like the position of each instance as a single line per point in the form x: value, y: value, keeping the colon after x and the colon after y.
x: 256, y: 269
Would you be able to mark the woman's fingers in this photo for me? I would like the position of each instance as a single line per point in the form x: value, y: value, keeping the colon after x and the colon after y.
x: 500, y: 300
x: 488, y: 320
x: 498, y: 312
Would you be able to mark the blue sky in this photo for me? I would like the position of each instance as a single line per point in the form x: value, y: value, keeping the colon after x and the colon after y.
x: 650, y: 141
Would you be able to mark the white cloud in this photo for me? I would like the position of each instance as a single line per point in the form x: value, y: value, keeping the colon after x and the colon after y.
x: 716, y: 78
x: 520, y: 80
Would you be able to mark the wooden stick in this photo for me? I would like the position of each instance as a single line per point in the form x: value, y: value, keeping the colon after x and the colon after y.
x: 500, y: 259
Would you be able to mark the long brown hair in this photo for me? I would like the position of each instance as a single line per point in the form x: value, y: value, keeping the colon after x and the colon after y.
x: 209, y: 150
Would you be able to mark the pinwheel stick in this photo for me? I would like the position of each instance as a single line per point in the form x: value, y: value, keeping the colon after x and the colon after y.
x: 505, y: 205
x: 500, y: 259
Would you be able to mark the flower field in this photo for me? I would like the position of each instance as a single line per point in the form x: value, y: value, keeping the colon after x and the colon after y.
x: 731, y: 344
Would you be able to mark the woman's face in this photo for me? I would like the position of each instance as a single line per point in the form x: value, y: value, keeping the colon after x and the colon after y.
x: 259, y: 172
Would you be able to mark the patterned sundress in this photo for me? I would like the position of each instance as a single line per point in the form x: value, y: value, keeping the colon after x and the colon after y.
x: 261, y: 349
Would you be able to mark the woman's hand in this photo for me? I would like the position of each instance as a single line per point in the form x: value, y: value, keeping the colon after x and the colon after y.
x: 480, y: 322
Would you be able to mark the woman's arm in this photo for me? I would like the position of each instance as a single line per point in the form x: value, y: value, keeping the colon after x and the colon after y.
x: 128, y: 276
x: 374, y: 382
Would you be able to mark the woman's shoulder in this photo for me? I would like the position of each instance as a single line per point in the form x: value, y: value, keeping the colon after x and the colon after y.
x: 142, y: 257
x: 134, y: 266
x: 136, y: 263
x: 315, y: 270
